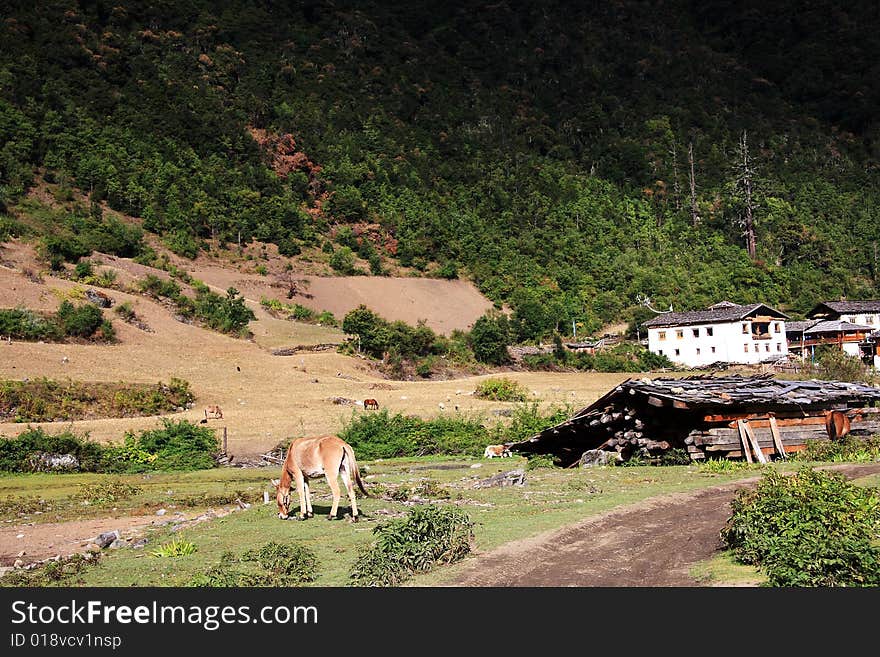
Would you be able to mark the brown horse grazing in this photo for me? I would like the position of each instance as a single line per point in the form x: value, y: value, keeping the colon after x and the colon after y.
x: 371, y: 403
x: 837, y: 424
x: 308, y: 458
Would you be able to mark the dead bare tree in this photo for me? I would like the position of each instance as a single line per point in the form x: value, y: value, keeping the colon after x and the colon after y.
x: 692, y: 179
x: 744, y: 182
x: 676, y: 187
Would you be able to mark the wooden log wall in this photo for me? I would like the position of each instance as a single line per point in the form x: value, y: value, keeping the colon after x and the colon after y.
x: 724, y: 440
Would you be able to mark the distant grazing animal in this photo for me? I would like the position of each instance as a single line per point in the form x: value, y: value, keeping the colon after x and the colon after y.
x: 371, y: 403
x: 308, y: 458
x: 213, y: 411
x: 837, y: 424
x: 496, y: 450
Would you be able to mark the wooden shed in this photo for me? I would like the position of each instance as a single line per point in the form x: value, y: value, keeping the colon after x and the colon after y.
x: 756, y: 417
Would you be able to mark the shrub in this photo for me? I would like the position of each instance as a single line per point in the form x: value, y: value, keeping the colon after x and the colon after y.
x: 179, y: 445
x: 427, y: 537
x: 809, y: 529
x: 501, y: 389
x: 342, y: 260
x: 24, y: 324
x: 489, y: 338
x: 83, y: 270
x: 379, y: 435
x: 18, y: 454
x: 227, y: 315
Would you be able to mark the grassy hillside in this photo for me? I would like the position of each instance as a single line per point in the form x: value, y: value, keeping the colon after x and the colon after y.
x: 540, y: 149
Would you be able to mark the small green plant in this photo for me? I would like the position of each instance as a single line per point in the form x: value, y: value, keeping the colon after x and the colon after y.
x: 429, y: 536
x: 83, y: 270
x: 177, y: 547
x: 501, y: 389
x: 274, y: 564
x: 125, y: 311
x: 289, y: 563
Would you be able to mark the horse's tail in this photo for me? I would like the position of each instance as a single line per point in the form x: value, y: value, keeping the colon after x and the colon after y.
x: 355, y: 470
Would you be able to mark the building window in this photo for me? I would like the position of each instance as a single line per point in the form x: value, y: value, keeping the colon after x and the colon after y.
x: 756, y: 347
x: 679, y: 334
x: 698, y: 351
x: 661, y: 335
x: 778, y: 346
x: 746, y: 348
x: 745, y: 328
x: 709, y: 331
x: 660, y: 351
x: 677, y: 352
x: 766, y: 346
x: 852, y: 319
x: 696, y: 333
x: 713, y: 350
x: 776, y: 328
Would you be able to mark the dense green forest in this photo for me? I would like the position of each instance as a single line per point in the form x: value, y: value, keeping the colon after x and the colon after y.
x: 565, y: 156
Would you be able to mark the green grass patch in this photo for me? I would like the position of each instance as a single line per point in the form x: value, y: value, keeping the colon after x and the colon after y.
x: 724, y: 570
x: 849, y: 449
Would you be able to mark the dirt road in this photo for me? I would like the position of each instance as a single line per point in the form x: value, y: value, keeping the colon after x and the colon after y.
x: 650, y: 544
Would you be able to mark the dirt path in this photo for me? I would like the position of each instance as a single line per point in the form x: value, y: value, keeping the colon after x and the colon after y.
x: 650, y: 544
x: 36, y: 541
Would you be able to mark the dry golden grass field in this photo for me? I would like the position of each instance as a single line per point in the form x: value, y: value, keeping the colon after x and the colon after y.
x: 265, y: 398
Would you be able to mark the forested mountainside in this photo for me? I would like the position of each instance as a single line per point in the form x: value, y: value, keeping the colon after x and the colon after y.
x: 566, y: 156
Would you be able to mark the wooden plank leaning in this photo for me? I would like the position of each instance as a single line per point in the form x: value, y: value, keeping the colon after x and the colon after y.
x: 777, y: 438
x: 740, y: 425
x: 754, y: 443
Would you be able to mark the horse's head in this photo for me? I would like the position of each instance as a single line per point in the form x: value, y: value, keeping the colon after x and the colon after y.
x: 282, y: 496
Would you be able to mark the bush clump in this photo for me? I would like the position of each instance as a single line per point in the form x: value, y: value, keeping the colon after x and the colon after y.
x: 85, y: 322
x: 175, y: 446
x: 501, y: 389
x: 810, y: 529
x: 380, y: 435
x: 179, y: 445
x: 22, y: 454
x: 427, y: 537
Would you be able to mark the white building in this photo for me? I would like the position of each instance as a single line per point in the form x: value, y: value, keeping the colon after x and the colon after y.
x: 725, y: 332
x: 865, y: 313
